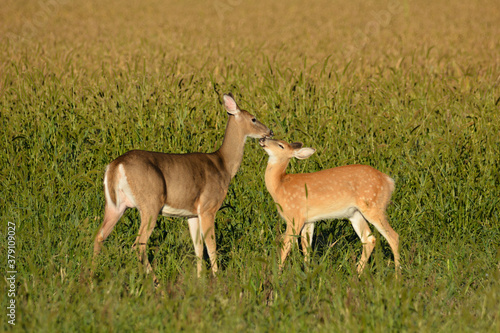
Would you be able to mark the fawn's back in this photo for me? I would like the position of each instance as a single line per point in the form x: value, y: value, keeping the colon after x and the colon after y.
x: 333, y: 193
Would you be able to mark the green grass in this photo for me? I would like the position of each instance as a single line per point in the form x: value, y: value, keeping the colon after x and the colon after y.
x: 414, y: 94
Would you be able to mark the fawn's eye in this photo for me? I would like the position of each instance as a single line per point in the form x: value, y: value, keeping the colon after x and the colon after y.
x: 254, y: 120
x: 281, y: 146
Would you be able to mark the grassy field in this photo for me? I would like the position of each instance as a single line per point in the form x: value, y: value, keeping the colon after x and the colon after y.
x: 408, y: 87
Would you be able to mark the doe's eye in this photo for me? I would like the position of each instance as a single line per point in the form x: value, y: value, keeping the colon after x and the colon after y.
x: 254, y: 120
x: 281, y: 146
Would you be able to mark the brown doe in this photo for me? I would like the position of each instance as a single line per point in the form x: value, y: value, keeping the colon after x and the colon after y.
x: 190, y: 185
x: 359, y: 193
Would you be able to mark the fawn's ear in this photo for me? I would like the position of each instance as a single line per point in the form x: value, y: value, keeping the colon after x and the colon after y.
x: 303, y: 153
x: 230, y: 104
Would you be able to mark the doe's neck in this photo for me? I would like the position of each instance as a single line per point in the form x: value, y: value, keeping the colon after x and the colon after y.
x: 233, y: 146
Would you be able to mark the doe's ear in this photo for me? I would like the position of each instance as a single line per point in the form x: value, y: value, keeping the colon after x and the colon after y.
x: 303, y: 153
x: 230, y: 104
x: 296, y: 145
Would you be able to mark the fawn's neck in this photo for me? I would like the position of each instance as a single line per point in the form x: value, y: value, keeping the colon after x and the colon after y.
x: 275, y: 172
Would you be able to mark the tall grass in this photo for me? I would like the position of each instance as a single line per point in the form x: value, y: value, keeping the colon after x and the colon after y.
x: 415, y: 94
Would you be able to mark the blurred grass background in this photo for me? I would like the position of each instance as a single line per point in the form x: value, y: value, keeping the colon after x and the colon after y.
x: 409, y: 87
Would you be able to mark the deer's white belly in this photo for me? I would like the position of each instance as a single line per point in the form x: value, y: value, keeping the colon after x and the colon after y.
x: 171, y: 211
x: 333, y: 214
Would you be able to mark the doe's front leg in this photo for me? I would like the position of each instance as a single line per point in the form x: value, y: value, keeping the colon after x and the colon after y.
x: 207, y: 223
x: 195, y: 231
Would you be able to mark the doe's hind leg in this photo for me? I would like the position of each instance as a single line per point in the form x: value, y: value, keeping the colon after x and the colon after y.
x: 148, y: 222
x: 111, y: 216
